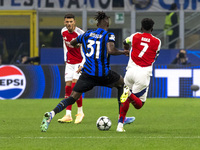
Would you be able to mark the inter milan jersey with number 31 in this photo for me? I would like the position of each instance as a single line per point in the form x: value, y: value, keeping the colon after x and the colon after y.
x: 95, y: 51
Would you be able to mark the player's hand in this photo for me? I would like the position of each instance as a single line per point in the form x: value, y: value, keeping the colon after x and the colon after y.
x: 78, y: 45
x: 79, y: 69
x: 126, y: 52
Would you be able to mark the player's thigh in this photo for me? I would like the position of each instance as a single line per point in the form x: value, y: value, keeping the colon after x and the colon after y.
x: 144, y: 96
x: 83, y: 84
x: 76, y: 75
x: 69, y: 72
x: 140, y: 87
x: 129, y: 78
x: 113, y: 79
x: 141, y: 81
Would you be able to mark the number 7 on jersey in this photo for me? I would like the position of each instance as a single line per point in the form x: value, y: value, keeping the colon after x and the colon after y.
x: 146, y: 46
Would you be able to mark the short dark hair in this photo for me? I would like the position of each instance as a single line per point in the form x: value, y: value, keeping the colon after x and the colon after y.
x: 101, y: 16
x: 147, y: 23
x: 69, y: 16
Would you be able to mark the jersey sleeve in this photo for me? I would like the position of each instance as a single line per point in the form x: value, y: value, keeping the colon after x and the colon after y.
x: 65, y: 51
x: 64, y: 46
x: 158, y: 50
x: 129, y: 39
x: 83, y: 56
x: 111, y: 37
x: 79, y: 38
x: 81, y: 32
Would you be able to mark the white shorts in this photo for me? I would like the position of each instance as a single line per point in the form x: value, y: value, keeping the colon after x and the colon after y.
x: 138, y: 79
x: 70, y: 72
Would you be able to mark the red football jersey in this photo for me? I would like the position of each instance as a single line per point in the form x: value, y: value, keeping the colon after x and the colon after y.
x: 145, y: 48
x: 71, y: 55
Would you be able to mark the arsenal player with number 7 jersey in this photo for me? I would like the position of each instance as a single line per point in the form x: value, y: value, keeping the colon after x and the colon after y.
x: 144, y: 50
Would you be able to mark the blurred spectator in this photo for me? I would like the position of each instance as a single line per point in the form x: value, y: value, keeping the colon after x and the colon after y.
x: 3, y: 50
x: 181, y: 58
x: 46, y: 38
x: 171, y: 26
x: 24, y: 59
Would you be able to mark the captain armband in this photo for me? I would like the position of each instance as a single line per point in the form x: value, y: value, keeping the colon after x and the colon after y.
x: 126, y: 41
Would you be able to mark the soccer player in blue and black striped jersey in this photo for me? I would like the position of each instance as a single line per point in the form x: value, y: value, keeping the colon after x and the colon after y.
x: 97, y: 46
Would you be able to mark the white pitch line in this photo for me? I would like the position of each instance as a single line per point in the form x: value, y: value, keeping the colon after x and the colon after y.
x: 93, y: 137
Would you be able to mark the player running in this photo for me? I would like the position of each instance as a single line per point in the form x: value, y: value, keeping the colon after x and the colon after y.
x: 97, y: 47
x: 144, y: 51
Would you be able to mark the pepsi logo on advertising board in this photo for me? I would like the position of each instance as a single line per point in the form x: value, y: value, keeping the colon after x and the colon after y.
x: 12, y: 82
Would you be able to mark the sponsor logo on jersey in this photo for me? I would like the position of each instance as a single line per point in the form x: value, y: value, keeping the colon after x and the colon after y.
x: 12, y: 82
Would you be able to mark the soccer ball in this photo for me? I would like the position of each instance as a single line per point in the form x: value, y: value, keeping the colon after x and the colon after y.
x: 103, y: 123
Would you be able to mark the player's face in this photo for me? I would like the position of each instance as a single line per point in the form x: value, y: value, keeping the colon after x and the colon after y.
x: 70, y: 24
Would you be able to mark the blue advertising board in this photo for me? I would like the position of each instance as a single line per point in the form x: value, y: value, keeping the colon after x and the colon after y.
x: 47, y: 81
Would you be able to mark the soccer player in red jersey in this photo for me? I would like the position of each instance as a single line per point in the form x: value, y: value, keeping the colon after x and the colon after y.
x: 144, y: 50
x: 73, y: 59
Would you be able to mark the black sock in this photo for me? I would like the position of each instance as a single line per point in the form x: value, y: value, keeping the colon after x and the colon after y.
x: 120, y: 91
x: 63, y: 104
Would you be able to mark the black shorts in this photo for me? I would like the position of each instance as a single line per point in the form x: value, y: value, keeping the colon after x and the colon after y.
x: 87, y: 82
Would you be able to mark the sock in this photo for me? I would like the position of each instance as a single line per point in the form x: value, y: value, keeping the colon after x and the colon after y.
x: 135, y: 101
x: 123, y: 110
x: 69, y: 112
x: 69, y: 108
x: 120, y: 91
x: 80, y: 110
x: 79, y: 101
x: 73, y: 84
x: 63, y: 104
x: 120, y: 125
x: 68, y: 90
x: 52, y: 114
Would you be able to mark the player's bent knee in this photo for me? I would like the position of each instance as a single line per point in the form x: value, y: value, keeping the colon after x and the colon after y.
x: 138, y: 105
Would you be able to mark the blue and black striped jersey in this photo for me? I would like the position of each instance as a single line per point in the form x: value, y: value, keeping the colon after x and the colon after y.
x: 97, y: 60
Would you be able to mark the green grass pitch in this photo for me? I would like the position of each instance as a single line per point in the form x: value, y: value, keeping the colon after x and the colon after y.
x: 162, y: 124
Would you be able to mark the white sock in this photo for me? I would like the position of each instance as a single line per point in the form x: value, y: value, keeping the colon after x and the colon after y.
x: 120, y: 125
x: 52, y: 113
x: 68, y: 113
x: 80, y: 110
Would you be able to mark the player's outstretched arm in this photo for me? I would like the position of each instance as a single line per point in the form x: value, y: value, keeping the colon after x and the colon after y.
x: 112, y: 50
x: 75, y: 43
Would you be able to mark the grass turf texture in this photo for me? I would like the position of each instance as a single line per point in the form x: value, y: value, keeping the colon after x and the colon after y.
x: 161, y: 124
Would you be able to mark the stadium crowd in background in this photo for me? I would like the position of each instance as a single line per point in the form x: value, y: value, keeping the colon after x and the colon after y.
x: 144, y: 50
x: 73, y: 59
x: 97, y: 46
